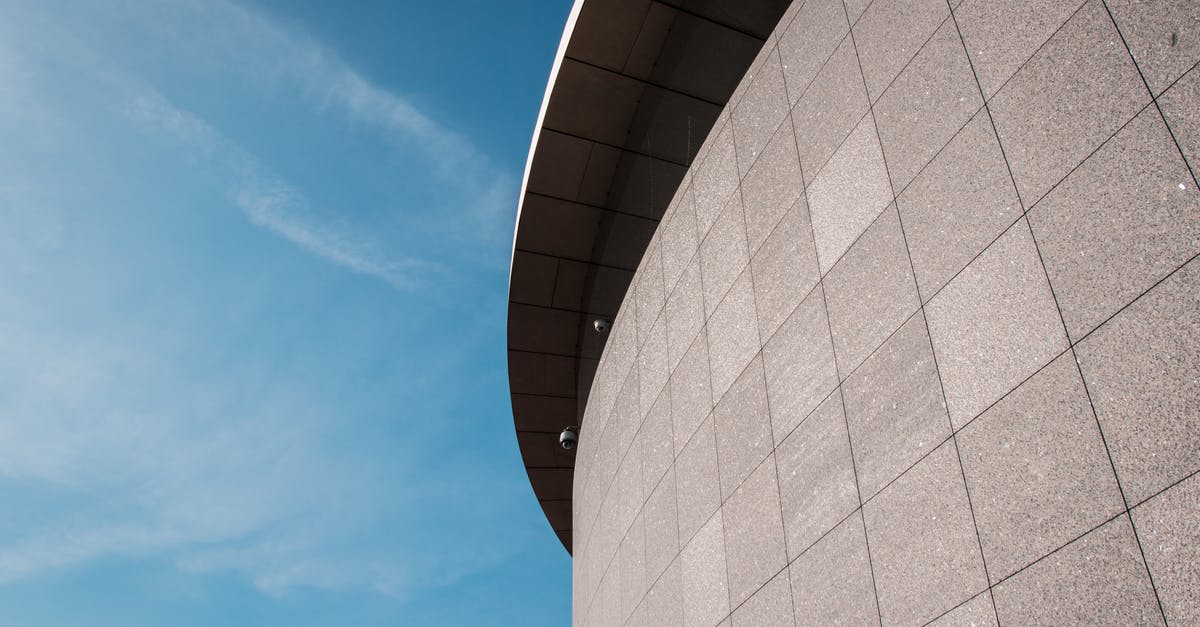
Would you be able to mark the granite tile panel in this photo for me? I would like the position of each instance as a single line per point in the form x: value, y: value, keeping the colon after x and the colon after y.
x: 816, y: 476
x: 691, y: 392
x: 855, y: 8
x: 923, y: 546
x: 679, y: 240
x: 978, y: 612
x: 631, y: 559
x: 1163, y: 35
x: 716, y: 177
x: 661, y: 517
x: 684, y: 313
x: 698, y: 491
x: 1181, y: 108
x: 829, y: 109
x: 772, y: 186
x: 889, y: 34
x: 626, y: 495
x: 799, y: 365
x: 1037, y: 469
x: 655, y: 440
x: 760, y: 112
x: 1170, y: 537
x: 648, y: 290
x: 753, y: 533
x: 733, y: 335
x: 849, y: 192
x: 743, y: 426
x: 895, y: 408
x: 606, y: 607
x: 870, y: 292
x: 957, y: 205
x: 1001, y: 35
x: 1143, y: 371
x: 1099, y: 579
x: 928, y: 103
x: 624, y: 423
x: 772, y: 605
x: 806, y: 44
x: 1125, y: 219
x: 785, y: 269
x: 766, y: 52
x: 723, y: 254
x: 652, y: 368
x: 994, y: 325
x: 663, y: 604
x: 831, y: 582
x: 1071, y: 96
x: 705, y: 586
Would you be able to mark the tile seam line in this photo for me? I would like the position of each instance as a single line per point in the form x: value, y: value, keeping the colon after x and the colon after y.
x: 917, y: 288
x: 717, y: 453
x: 1091, y: 153
x: 756, y: 591
x: 785, y: 27
x: 1087, y: 390
x: 924, y: 166
x: 874, y: 101
x: 1067, y: 331
x: 774, y: 449
x: 791, y: 122
x: 973, y: 418
x: 1021, y: 66
x: 1026, y: 211
x: 1160, y: 492
x: 1031, y: 564
x: 896, y: 195
x: 987, y: 100
x: 624, y: 455
x: 829, y: 328
x: 967, y: 424
x: 1135, y: 298
x: 1074, y: 354
x: 804, y: 89
x: 945, y: 441
x: 1153, y: 99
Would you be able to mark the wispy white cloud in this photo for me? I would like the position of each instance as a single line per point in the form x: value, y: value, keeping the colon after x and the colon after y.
x: 267, y: 200
x: 477, y: 196
x: 234, y: 474
x: 480, y: 195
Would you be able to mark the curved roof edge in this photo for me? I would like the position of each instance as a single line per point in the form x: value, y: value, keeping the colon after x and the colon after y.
x: 635, y: 88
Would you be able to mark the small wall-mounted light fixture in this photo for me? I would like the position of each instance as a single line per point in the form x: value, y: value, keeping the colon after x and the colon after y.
x: 601, y: 324
x: 569, y: 437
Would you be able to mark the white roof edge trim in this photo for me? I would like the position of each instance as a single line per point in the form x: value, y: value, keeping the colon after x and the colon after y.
x: 568, y: 30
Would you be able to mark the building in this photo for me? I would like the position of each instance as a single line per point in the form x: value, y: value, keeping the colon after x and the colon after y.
x: 904, y: 300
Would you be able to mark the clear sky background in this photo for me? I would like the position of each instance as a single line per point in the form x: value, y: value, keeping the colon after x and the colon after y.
x: 253, y: 269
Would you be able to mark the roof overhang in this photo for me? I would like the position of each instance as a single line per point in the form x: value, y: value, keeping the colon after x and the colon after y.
x: 635, y: 88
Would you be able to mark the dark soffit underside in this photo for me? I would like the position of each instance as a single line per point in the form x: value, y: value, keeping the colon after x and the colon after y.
x: 636, y: 89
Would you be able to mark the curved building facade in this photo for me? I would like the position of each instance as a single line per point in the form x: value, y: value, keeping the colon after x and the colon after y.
x: 912, y: 336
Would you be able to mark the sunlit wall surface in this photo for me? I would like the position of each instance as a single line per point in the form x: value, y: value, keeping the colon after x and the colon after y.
x: 918, y: 336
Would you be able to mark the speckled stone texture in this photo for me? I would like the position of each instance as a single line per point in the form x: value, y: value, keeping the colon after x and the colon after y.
x: 918, y: 339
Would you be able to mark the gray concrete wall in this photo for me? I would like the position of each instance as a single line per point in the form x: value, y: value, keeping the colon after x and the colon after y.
x: 918, y: 338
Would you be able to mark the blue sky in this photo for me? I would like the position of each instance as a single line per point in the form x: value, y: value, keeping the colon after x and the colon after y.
x: 253, y: 268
